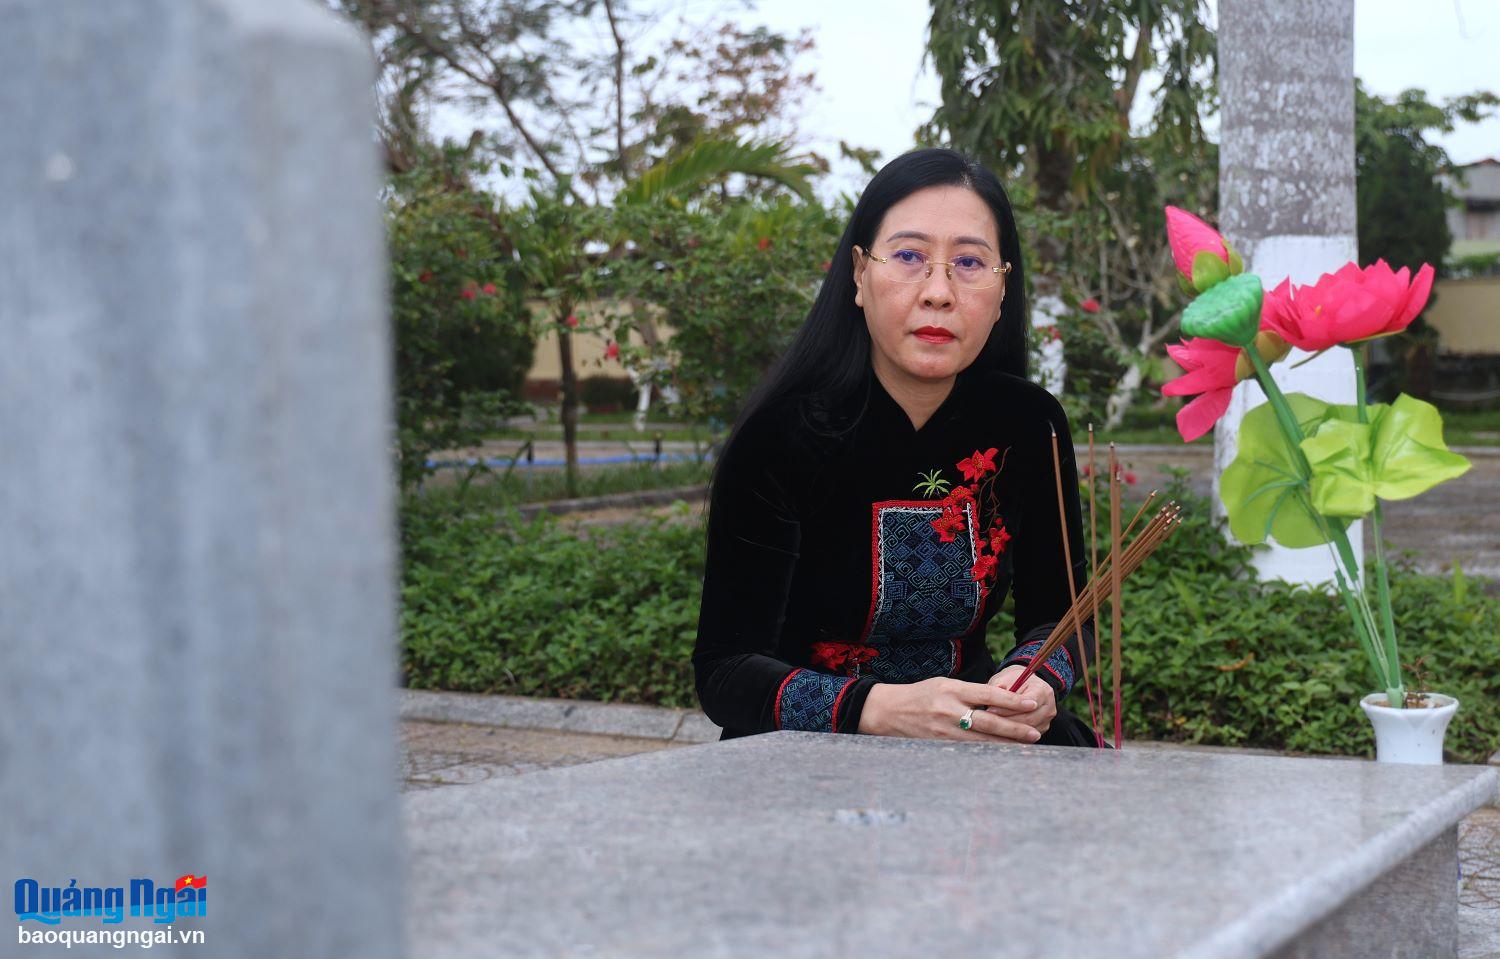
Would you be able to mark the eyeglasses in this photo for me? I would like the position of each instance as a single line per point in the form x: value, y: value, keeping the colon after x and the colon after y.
x: 967, y: 272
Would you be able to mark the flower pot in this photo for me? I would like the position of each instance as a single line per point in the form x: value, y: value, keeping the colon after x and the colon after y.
x: 1412, y: 735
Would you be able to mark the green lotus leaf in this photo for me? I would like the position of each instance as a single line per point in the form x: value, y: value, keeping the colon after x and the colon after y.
x: 1262, y: 489
x: 1339, y: 454
x: 1209, y: 269
x: 1229, y: 312
x: 1408, y: 455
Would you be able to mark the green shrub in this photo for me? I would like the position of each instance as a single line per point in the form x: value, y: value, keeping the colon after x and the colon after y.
x: 606, y: 394
x: 1209, y: 655
x: 532, y: 609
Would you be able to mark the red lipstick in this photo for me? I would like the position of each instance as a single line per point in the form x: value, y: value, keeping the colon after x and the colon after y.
x: 933, y: 334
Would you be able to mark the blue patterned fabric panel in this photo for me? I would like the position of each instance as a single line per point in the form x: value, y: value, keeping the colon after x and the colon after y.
x: 926, y: 596
x: 807, y: 700
x: 1059, y: 662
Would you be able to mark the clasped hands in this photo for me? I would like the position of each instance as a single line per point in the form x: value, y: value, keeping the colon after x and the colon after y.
x: 930, y: 709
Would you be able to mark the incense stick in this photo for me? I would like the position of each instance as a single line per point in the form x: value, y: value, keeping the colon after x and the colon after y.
x: 1062, y: 522
x: 1093, y: 575
x: 1114, y: 582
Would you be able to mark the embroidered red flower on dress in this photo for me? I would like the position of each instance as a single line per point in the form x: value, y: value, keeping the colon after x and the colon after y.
x: 976, y: 466
x: 998, y: 539
x: 842, y: 657
x: 949, y: 525
x: 984, y: 567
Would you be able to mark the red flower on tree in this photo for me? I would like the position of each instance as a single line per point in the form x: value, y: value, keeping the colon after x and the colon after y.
x: 571, y: 320
x: 1089, y: 305
x: 489, y: 289
x: 612, y: 351
x: 467, y: 294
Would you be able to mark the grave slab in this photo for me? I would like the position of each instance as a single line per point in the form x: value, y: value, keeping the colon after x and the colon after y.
x: 808, y: 844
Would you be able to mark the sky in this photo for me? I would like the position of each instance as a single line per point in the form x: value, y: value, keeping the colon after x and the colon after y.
x: 875, y: 90
x: 1450, y: 47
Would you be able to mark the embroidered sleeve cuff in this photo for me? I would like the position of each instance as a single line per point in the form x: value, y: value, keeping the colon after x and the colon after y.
x: 1057, y: 670
x: 812, y: 701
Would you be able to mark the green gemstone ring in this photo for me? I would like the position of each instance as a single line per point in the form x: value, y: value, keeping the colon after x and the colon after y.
x: 966, y: 720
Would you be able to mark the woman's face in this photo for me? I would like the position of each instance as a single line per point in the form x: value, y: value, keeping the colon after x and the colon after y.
x: 929, y: 329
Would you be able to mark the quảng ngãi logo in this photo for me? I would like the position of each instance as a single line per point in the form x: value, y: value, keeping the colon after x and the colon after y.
x: 188, y: 896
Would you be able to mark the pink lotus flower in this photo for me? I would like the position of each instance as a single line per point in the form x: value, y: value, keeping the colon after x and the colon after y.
x: 1188, y: 236
x: 1211, y: 374
x: 1347, y: 306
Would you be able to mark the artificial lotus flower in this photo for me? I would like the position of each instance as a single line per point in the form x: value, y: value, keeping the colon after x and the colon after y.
x: 1210, y: 374
x: 1203, y: 257
x: 1213, y: 369
x: 1348, y: 306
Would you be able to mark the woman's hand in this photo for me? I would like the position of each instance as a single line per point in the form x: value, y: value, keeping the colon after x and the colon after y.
x: 1035, y: 689
x: 931, y: 709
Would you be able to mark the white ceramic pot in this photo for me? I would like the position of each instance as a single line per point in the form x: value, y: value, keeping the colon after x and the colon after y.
x: 1409, y: 735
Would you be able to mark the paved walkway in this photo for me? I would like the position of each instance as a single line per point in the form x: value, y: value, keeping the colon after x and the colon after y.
x: 438, y: 753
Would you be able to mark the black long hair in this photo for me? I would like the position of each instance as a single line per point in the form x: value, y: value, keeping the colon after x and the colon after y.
x: 828, y: 361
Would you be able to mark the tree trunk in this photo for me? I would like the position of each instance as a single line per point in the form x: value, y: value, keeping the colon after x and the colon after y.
x: 1286, y: 187
x: 1123, y: 397
x: 569, y: 404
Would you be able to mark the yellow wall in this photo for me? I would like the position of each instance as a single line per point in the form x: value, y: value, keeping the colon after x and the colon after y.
x: 1467, y: 315
x: 588, y: 348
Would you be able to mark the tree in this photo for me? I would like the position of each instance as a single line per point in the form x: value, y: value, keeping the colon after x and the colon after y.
x: 1044, y: 93
x: 734, y: 281
x: 512, y: 64
x: 462, y: 338
x: 1402, y: 198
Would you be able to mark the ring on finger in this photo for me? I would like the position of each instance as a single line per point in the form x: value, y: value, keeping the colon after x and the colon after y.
x: 966, y: 721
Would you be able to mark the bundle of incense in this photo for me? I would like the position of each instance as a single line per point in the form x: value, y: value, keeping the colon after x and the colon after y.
x: 1118, y: 566
x: 1161, y: 525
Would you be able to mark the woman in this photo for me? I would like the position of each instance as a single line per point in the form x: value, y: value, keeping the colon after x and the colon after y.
x: 887, y: 484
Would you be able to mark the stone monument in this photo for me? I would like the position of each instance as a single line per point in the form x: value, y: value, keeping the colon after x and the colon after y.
x: 197, y: 584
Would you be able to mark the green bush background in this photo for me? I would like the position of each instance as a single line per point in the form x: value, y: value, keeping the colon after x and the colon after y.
x: 532, y: 608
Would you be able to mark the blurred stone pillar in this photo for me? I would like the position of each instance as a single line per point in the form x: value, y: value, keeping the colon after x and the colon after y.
x: 197, y: 587
x: 1286, y: 195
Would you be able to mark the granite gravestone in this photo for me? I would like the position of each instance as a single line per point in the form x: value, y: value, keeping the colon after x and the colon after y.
x: 197, y: 582
x: 816, y: 845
